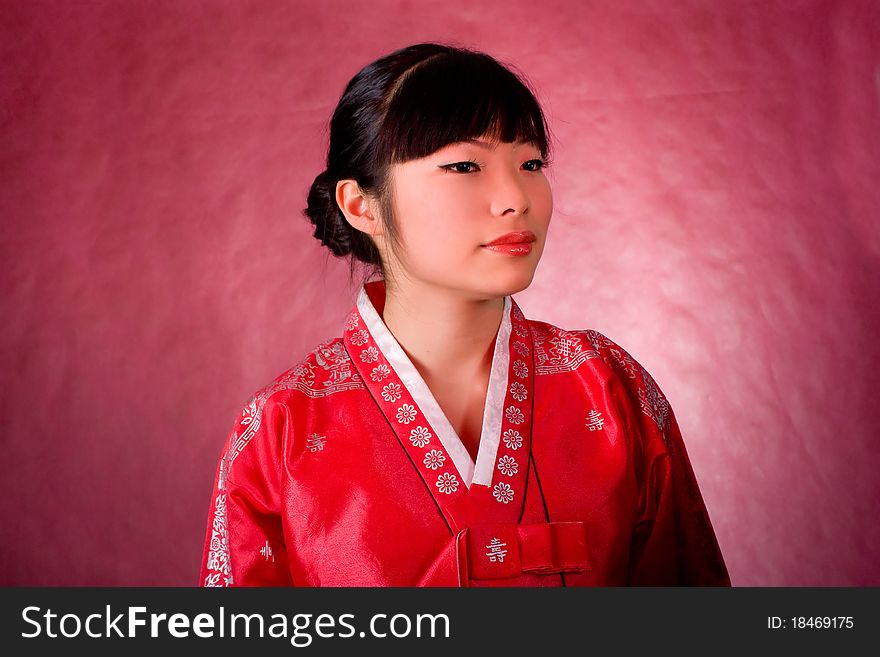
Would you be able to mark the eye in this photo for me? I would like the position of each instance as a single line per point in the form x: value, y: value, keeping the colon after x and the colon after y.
x: 538, y: 164
x: 458, y: 166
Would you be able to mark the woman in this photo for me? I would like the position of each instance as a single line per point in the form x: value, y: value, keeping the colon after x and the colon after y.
x: 445, y: 439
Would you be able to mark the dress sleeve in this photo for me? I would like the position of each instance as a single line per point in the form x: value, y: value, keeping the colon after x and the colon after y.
x: 673, y: 542
x: 244, y: 542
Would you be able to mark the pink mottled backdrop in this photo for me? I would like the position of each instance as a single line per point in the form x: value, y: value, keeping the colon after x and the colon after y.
x: 717, y: 213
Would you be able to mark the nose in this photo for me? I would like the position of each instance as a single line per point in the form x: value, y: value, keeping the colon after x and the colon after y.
x: 509, y: 193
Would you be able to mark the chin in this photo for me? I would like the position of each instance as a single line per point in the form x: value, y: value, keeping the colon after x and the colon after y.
x: 502, y: 285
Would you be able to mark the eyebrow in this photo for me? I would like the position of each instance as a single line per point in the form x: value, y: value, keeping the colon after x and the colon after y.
x: 485, y: 144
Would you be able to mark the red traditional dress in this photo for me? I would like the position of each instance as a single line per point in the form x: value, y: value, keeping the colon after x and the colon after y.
x: 345, y: 472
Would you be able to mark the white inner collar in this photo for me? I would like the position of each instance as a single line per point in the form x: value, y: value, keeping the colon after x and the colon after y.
x: 490, y: 436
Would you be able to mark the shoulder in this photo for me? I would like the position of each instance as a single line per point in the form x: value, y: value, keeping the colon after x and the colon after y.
x: 562, y: 350
x: 323, y: 371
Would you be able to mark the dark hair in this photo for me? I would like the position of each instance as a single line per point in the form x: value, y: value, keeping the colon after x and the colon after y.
x: 407, y: 105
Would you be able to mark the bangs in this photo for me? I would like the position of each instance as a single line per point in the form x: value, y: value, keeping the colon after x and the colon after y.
x: 457, y: 97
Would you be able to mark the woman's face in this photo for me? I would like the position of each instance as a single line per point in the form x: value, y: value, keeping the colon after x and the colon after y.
x: 451, y: 203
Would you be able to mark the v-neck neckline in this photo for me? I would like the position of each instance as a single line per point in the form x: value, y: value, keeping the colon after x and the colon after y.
x: 470, y: 471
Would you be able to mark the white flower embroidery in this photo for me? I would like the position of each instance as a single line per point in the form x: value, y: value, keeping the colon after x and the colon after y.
x: 503, y: 493
x: 447, y: 483
x: 508, y: 466
x: 434, y: 459
x: 406, y: 413
x: 513, y: 439
x: 360, y: 338
x: 380, y: 372
x: 352, y: 322
x: 521, y: 330
x: 514, y: 415
x: 370, y: 355
x: 521, y: 348
x: 518, y: 391
x: 520, y: 369
x: 420, y: 437
x: 391, y: 392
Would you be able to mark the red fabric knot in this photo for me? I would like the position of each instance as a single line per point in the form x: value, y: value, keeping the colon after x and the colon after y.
x: 507, y: 550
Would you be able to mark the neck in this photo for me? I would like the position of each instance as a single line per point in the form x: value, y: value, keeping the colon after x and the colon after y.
x: 444, y: 334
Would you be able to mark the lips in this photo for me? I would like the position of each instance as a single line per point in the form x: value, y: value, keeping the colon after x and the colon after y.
x: 518, y: 237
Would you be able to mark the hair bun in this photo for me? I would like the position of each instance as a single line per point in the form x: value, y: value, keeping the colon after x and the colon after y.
x: 331, y: 228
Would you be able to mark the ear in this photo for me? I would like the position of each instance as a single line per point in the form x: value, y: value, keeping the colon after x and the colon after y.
x: 357, y: 207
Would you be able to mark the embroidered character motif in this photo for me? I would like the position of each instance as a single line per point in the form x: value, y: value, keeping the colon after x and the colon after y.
x: 496, y: 551
x: 315, y: 443
x: 595, y: 420
x: 557, y: 350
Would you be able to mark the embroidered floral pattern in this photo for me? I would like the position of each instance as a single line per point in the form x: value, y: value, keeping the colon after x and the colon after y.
x: 335, y: 373
x: 420, y: 436
x: 406, y: 413
x: 213, y: 580
x: 352, y: 322
x: 360, y: 338
x: 508, y: 466
x: 224, y: 471
x: 370, y: 355
x: 391, y: 392
x: 249, y: 414
x: 518, y: 391
x: 513, y: 439
x: 434, y: 459
x: 392, y: 384
x: 447, y: 483
x: 514, y: 415
x: 218, y: 550
x: 557, y: 350
x: 521, y: 348
x: 380, y: 372
x: 653, y: 403
x: 503, y: 493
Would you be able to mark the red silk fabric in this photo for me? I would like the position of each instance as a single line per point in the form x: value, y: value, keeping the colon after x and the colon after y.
x: 499, y: 551
x: 344, y: 472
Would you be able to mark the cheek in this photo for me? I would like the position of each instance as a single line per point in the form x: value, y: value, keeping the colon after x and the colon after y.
x: 436, y: 220
x: 542, y: 200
